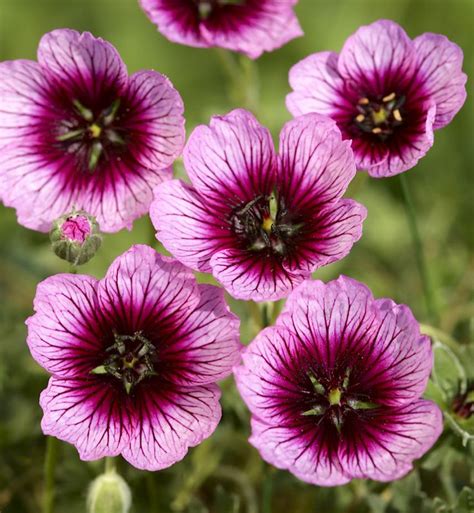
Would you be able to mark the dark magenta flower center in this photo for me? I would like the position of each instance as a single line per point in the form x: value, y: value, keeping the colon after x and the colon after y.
x: 264, y: 224
x: 335, y: 398
x: 92, y: 134
x: 380, y: 116
x: 131, y: 359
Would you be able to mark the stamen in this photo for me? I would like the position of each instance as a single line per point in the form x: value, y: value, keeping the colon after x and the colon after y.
x: 316, y: 410
x: 73, y: 134
x: 360, y: 118
x: 83, y: 111
x: 316, y: 384
x: 109, y: 114
x: 397, y: 115
x: 376, y: 130
x: 389, y: 97
x: 96, y: 152
x: 364, y: 101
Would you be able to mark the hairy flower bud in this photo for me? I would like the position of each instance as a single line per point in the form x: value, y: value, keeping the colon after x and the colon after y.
x: 75, y: 237
x: 109, y: 493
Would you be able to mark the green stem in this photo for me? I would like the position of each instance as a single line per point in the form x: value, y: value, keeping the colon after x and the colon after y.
x: 152, y: 493
x: 49, y: 474
x: 419, y: 252
x: 110, y: 465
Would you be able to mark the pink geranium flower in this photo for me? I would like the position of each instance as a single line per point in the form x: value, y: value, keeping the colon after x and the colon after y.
x: 77, y: 132
x: 334, y: 387
x: 260, y: 222
x: 386, y: 92
x: 247, y: 26
x: 134, y: 358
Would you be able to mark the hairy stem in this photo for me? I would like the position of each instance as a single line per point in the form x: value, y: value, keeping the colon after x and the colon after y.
x: 419, y: 252
x: 49, y: 474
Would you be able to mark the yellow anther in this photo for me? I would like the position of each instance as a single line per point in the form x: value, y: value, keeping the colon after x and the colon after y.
x: 364, y: 101
x: 95, y: 131
x: 360, y: 118
x: 376, y: 130
x: 334, y: 396
x: 397, y: 115
x: 267, y: 224
x: 389, y: 97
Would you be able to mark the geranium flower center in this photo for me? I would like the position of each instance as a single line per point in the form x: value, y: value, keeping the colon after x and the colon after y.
x: 205, y: 7
x: 265, y: 224
x: 90, y: 134
x: 334, y: 398
x: 380, y: 116
x: 131, y: 359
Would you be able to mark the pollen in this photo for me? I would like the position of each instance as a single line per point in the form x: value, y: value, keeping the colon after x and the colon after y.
x: 397, y: 116
x: 95, y: 130
x: 376, y: 130
x: 267, y: 224
x: 389, y: 97
x: 360, y: 118
x: 334, y: 396
x: 364, y: 101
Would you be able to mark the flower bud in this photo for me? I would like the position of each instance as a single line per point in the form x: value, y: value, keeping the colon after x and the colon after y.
x: 75, y: 237
x: 109, y: 493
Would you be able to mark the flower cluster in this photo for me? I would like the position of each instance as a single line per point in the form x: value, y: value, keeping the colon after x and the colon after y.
x: 334, y: 387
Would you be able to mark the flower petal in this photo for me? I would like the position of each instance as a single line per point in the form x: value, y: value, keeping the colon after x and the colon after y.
x: 205, y: 347
x: 83, y: 64
x: 154, y: 121
x: 232, y: 160
x: 440, y: 76
x: 317, y: 86
x: 167, y: 422
x: 87, y: 414
x: 64, y: 335
x: 141, y: 285
x: 187, y: 228
x: 251, y: 276
x: 316, y: 165
x: 385, y: 442
x: 377, y: 56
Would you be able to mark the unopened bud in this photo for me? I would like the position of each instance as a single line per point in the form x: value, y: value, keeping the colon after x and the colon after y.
x: 109, y: 493
x: 75, y: 237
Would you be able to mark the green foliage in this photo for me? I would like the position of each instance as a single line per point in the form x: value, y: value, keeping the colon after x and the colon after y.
x: 225, y: 474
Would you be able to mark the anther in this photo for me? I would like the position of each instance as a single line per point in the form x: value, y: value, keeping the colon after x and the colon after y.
x: 389, y: 97
x: 397, y: 115
x: 376, y: 130
x: 364, y: 101
x: 360, y: 118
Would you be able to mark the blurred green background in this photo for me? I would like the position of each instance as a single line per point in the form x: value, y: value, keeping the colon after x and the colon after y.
x: 225, y: 474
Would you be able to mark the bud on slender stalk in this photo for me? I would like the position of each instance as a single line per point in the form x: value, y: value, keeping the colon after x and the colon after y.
x: 109, y: 493
x: 75, y: 237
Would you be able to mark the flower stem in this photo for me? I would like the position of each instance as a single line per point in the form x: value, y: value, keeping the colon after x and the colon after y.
x: 419, y: 252
x: 49, y: 474
x: 110, y: 465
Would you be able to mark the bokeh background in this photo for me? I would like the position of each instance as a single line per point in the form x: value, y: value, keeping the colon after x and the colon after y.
x: 225, y: 474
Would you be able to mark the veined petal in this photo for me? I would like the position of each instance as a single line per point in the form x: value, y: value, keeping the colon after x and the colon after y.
x: 232, y: 160
x: 64, y: 335
x: 376, y: 56
x: 87, y: 414
x: 250, y: 276
x: 141, y: 285
x: 317, y: 86
x: 316, y: 165
x: 385, y: 442
x: 154, y: 120
x: 166, y: 422
x: 84, y: 64
x: 187, y: 227
x: 439, y: 75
